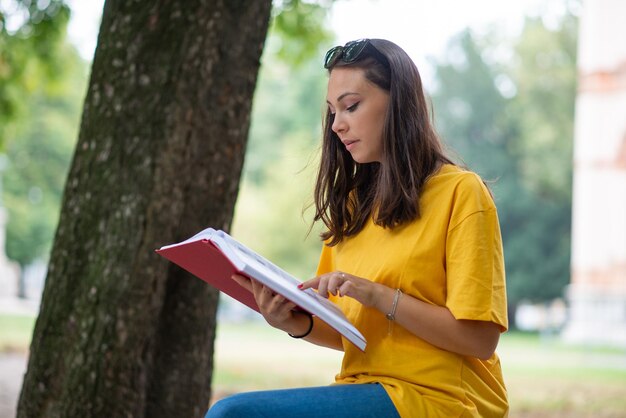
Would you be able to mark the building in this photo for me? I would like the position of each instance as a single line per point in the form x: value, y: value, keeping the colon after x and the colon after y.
x: 597, y: 294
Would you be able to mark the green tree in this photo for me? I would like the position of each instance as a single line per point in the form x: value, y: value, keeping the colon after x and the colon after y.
x: 272, y: 213
x: 513, y: 124
x: 297, y: 29
x: 39, y: 154
x: 470, y: 111
x: 544, y: 73
x: 31, y: 37
x: 288, y: 100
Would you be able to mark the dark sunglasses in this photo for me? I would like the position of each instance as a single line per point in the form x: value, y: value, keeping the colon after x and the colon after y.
x: 351, y: 51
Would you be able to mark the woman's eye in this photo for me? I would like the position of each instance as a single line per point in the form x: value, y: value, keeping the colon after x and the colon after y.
x: 353, y: 107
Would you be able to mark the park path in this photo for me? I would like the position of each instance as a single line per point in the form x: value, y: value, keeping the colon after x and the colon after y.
x: 12, y: 369
x: 13, y: 362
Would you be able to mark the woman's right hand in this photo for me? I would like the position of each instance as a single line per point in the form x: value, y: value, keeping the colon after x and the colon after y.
x: 277, y: 310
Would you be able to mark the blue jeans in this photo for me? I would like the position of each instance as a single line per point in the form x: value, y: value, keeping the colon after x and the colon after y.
x: 337, y: 401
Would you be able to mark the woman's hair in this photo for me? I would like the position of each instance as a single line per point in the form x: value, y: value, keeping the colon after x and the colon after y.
x: 348, y: 193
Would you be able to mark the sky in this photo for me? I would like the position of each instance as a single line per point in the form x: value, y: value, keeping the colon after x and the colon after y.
x: 421, y: 27
x: 424, y: 27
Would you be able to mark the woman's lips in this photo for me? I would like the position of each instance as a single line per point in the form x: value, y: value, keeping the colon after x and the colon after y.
x: 350, y: 144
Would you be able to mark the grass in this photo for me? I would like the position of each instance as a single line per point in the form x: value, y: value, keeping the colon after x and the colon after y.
x: 525, y: 354
x: 548, y: 378
x: 15, y: 332
x: 544, y: 376
x: 255, y: 356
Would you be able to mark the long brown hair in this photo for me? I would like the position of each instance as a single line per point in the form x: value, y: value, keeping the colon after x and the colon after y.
x: 348, y: 193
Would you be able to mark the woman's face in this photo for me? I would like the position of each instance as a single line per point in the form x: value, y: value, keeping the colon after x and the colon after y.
x: 360, y: 108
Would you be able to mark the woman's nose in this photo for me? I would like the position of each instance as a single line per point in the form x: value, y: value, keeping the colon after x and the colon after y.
x: 339, y: 124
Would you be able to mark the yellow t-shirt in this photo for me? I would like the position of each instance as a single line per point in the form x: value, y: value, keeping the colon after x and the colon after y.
x: 451, y: 256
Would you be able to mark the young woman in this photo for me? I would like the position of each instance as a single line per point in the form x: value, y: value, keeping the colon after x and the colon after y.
x: 412, y: 255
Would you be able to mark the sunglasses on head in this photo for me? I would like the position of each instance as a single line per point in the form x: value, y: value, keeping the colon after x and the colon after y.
x: 351, y: 52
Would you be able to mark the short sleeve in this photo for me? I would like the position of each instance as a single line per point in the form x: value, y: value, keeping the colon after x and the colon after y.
x: 475, y: 273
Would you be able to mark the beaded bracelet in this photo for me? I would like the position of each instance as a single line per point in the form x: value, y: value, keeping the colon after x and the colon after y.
x: 308, y: 331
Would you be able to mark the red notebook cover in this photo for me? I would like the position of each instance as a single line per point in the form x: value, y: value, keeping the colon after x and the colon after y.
x: 203, y: 259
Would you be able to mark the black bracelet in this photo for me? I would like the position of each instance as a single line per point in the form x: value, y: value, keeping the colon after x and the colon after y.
x: 308, y: 331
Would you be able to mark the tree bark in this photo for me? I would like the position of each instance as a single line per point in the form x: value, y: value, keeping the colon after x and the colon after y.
x: 121, y: 332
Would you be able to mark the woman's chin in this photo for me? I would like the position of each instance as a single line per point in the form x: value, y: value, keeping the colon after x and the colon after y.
x: 361, y: 159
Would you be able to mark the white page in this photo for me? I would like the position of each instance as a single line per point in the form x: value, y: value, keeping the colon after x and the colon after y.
x: 282, y: 278
x: 207, y: 234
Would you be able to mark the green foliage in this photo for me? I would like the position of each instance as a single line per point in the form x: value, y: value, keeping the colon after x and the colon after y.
x: 41, y: 85
x: 287, y: 101
x: 28, y: 55
x: 277, y: 183
x: 39, y: 157
x: 280, y: 166
x: 273, y: 213
x: 469, y: 109
x: 545, y: 77
x: 297, y: 29
x: 271, y: 218
x: 513, y: 124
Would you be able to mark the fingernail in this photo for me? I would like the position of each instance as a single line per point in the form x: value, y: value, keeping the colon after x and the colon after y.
x: 300, y: 286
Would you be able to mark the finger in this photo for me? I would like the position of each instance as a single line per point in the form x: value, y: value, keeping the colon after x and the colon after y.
x: 284, y: 303
x: 278, y: 308
x: 256, y: 287
x: 346, y: 284
x: 335, y: 281
x: 281, y: 303
x: 322, y: 287
x: 346, y: 288
x: 268, y: 293
x: 242, y: 281
x: 332, y: 287
x: 261, y: 293
x: 290, y: 305
x: 310, y: 284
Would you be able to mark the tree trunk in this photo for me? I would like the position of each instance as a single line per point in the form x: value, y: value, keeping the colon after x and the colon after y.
x: 122, y: 332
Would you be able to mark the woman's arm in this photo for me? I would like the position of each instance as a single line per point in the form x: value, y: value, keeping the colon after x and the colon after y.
x: 281, y: 314
x: 321, y: 334
x: 434, y: 324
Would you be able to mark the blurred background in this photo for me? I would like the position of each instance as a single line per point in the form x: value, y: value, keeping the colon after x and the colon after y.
x: 529, y: 94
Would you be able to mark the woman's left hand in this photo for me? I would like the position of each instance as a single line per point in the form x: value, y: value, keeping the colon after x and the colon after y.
x: 343, y: 284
